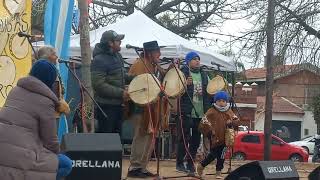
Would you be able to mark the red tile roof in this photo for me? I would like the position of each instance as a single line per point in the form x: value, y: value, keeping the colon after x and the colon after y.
x: 280, y: 105
x: 260, y: 73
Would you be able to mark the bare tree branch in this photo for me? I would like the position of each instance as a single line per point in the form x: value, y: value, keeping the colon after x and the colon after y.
x: 308, y: 28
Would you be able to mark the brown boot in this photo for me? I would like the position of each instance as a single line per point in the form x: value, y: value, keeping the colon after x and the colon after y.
x: 200, y: 169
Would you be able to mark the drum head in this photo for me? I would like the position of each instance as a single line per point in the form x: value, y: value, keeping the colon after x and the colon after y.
x: 216, y: 84
x: 143, y: 89
x: 172, y: 83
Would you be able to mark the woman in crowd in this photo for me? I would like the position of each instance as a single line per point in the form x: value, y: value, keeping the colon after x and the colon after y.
x: 28, y: 138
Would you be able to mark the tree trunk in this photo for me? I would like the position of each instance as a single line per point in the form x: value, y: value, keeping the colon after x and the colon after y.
x: 269, y: 80
x: 86, y: 62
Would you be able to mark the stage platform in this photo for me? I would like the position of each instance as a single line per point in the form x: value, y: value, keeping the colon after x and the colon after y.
x: 167, y: 169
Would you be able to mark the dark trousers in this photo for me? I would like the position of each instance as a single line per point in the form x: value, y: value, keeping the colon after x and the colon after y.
x: 192, y: 138
x: 217, y: 152
x: 113, y: 123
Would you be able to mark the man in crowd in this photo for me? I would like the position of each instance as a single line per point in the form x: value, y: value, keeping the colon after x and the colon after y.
x: 197, y: 81
x: 108, y: 81
x: 49, y: 54
x: 142, y: 144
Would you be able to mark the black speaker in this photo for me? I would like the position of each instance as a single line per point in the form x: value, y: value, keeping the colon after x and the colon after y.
x: 94, y: 156
x: 315, y: 174
x: 259, y: 170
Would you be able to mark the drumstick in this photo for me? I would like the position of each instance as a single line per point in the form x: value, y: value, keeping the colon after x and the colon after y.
x: 138, y: 90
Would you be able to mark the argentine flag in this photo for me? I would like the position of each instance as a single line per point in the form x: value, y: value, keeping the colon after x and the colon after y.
x: 57, y: 29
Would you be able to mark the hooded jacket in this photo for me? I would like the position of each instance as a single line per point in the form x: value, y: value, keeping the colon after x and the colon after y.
x: 28, y: 139
x: 108, y: 75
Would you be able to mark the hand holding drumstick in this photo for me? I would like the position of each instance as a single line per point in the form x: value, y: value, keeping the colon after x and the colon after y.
x: 189, y: 81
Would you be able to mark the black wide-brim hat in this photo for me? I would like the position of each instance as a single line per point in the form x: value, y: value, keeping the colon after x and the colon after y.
x: 151, y: 46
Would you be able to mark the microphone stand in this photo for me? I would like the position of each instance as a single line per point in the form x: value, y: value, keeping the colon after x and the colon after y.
x: 34, y: 51
x: 85, y: 89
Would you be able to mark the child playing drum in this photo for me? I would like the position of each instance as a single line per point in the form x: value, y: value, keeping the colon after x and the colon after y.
x: 214, y: 125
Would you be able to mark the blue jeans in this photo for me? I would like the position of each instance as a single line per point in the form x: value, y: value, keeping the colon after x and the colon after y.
x: 65, y: 166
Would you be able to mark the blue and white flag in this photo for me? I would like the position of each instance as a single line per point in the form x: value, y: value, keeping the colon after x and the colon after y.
x: 57, y: 29
x: 76, y: 15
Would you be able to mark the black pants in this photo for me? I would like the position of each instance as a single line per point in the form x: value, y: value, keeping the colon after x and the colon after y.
x: 217, y: 152
x: 192, y: 138
x: 115, y: 118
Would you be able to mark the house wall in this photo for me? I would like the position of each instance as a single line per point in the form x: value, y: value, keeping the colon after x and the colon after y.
x: 247, y: 116
x: 300, y: 88
x: 246, y: 101
x: 307, y: 121
x: 259, y: 122
x: 308, y: 124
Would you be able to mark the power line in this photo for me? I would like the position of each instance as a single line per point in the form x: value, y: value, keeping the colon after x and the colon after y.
x: 282, y: 44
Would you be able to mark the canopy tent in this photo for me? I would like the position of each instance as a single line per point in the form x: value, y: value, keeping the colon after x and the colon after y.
x: 138, y: 28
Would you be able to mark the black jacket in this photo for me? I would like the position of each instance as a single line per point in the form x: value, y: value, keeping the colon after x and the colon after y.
x: 108, y: 75
x: 186, y: 106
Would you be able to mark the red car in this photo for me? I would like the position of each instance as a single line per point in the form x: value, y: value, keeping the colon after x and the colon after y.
x: 250, y: 145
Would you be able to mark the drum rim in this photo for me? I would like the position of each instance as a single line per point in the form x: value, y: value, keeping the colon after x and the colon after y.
x: 218, y: 88
x: 182, y: 90
x: 154, y: 99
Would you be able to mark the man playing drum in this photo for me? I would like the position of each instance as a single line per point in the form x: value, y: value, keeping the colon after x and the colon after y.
x: 145, y: 118
x: 197, y: 81
x: 108, y: 81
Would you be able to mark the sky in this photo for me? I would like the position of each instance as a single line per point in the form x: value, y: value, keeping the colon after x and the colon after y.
x: 221, y: 42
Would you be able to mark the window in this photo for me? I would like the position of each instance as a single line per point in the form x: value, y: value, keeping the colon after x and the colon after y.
x: 306, y: 132
x: 251, y: 139
x: 275, y: 141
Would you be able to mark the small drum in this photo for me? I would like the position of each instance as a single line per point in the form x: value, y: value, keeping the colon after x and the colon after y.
x: 172, y: 84
x: 143, y: 89
x: 229, y: 137
x: 216, y: 84
x: 205, y: 126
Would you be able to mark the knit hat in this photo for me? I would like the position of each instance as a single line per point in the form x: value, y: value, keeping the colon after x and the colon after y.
x: 45, y: 72
x: 190, y: 56
x: 221, y: 95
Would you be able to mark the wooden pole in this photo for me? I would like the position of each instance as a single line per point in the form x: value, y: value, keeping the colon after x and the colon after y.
x: 269, y: 80
x: 86, y: 62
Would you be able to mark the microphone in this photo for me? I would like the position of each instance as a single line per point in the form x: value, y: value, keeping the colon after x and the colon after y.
x: 128, y: 46
x: 68, y: 61
x: 168, y: 59
x: 23, y: 34
x: 216, y: 64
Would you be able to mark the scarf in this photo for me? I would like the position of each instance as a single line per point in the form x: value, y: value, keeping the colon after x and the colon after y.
x: 221, y: 109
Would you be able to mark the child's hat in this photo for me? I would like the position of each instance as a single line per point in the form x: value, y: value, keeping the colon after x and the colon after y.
x: 221, y: 95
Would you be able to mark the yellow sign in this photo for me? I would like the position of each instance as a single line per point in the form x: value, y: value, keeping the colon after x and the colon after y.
x: 15, y: 52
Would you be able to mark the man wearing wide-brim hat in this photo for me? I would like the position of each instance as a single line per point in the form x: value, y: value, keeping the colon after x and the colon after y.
x: 142, y: 141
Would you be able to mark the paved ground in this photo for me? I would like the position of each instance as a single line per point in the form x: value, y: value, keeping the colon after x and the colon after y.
x: 167, y: 169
